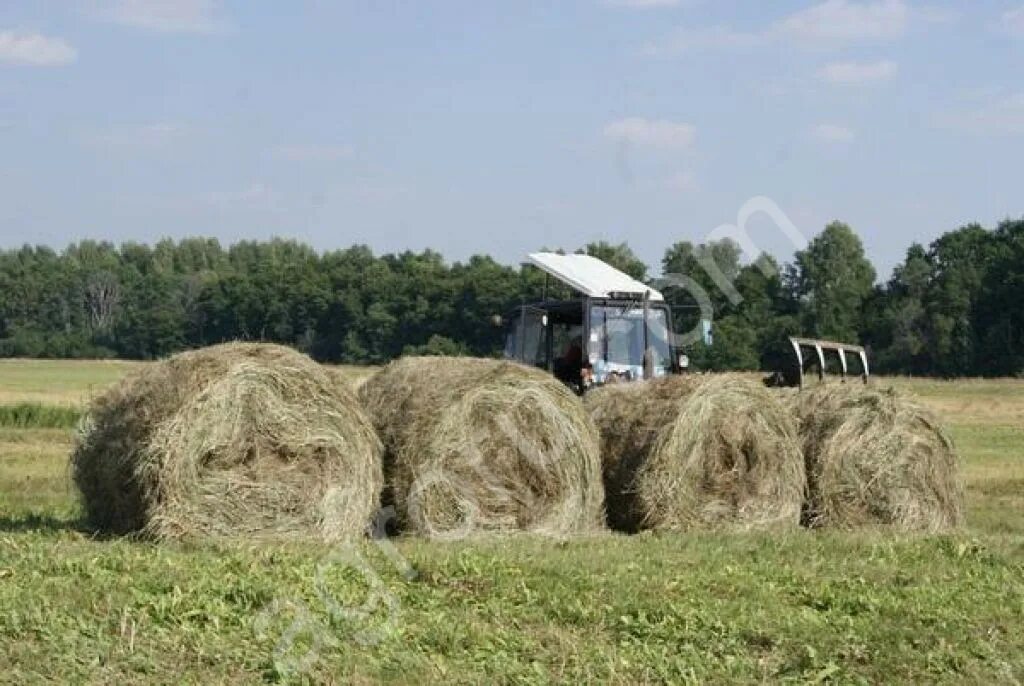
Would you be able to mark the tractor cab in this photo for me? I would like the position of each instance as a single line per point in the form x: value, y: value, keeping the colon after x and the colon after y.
x: 616, y: 329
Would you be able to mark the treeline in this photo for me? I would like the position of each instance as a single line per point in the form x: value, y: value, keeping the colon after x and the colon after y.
x: 953, y: 308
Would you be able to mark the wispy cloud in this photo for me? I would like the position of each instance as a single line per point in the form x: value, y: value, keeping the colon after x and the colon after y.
x: 934, y: 14
x: 155, y: 136
x: 682, y: 182
x: 314, y: 153
x: 856, y: 73
x: 644, y: 4
x: 1000, y: 116
x: 1012, y: 22
x: 833, y: 23
x: 257, y: 196
x: 832, y: 133
x: 35, y: 49
x: 651, y: 132
x: 166, y: 16
x: 845, y: 22
x: 706, y: 38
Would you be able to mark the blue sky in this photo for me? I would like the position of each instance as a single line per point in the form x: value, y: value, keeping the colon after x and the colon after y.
x: 487, y: 127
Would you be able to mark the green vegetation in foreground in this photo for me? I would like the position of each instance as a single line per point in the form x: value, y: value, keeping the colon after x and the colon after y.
x: 37, y: 416
x: 626, y: 610
x: 860, y: 608
x: 804, y: 607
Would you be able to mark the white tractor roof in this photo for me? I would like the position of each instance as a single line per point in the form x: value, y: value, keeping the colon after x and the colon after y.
x: 589, y: 275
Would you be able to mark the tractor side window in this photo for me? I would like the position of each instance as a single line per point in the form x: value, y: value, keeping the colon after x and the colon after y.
x: 525, y: 341
x: 658, y: 335
x: 567, y: 350
x: 565, y: 338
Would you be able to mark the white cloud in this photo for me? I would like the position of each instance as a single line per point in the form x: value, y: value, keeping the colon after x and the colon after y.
x: 845, y: 73
x: 682, y: 182
x: 709, y: 38
x: 844, y: 22
x: 1002, y: 116
x: 659, y: 133
x: 931, y: 14
x: 833, y: 23
x: 166, y: 16
x: 257, y: 196
x: 832, y: 133
x: 1012, y: 21
x: 34, y: 49
x: 314, y: 153
x: 643, y: 4
x: 156, y: 136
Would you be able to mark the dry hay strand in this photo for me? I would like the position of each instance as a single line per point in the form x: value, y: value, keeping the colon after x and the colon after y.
x: 233, y: 440
x: 875, y: 458
x: 687, y: 453
x: 484, y: 446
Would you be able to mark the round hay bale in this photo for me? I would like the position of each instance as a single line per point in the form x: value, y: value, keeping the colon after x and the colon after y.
x: 697, y: 452
x: 875, y: 458
x: 476, y: 445
x: 233, y: 440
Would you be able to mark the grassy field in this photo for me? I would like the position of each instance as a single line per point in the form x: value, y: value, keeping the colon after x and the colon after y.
x: 805, y: 607
x: 57, y: 382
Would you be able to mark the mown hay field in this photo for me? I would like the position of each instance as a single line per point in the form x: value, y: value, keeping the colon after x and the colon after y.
x: 799, y: 606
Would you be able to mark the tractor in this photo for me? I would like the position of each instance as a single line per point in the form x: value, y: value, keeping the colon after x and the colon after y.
x: 619, y: 329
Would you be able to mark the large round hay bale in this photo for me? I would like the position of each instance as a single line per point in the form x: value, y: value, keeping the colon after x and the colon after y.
x: 875, y: 458
x: 697, y: 452
x: 475, y: 445
x: 232, y: 440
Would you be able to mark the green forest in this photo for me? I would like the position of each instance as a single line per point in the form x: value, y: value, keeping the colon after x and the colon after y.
x: 952, y: 308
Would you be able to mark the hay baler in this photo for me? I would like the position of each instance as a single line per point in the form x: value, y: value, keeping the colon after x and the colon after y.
x: 615, y: 329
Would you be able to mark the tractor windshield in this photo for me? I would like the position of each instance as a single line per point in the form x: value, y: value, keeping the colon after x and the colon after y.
x: 617, y: 340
